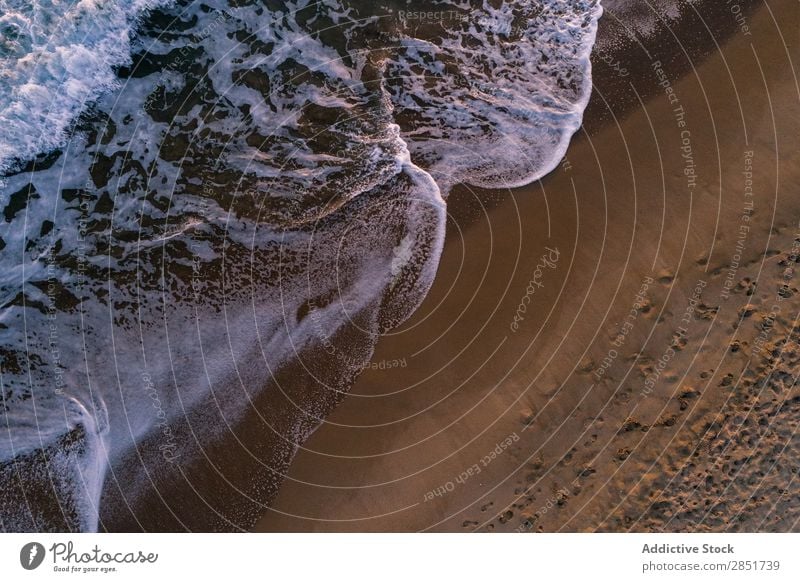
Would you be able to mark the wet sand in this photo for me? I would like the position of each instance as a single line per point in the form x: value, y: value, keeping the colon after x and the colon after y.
x: 612, y: 348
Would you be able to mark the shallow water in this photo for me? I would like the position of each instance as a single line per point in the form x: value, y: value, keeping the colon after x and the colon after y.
x: 235, y: 190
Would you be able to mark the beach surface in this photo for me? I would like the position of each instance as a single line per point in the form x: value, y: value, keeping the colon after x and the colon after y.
x: 612, y: 348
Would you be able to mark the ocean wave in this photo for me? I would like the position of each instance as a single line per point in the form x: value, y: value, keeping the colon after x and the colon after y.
x: 55, y: 57
x: 258, y: 200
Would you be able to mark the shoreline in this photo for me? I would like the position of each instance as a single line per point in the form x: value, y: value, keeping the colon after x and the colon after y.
x: 590, y: 447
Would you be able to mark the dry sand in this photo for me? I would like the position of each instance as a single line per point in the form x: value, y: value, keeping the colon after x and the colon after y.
x: 599, y: 410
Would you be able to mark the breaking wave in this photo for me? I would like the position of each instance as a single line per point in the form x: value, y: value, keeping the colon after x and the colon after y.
x: 254, y: 192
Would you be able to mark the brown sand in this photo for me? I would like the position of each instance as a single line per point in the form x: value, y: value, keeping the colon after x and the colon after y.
x: 490, y: 426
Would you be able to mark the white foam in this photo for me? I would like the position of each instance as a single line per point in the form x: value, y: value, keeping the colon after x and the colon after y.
x: 55, y: 57
x: 336, y: 211
x: 505, y: 117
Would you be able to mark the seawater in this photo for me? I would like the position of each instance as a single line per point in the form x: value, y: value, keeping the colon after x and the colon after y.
x: 200, y: 196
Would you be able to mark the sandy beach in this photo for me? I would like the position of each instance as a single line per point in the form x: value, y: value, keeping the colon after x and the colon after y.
x: 497, y: 267
x: 612, y: 348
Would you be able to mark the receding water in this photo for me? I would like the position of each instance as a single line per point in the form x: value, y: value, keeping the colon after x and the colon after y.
x: 236, y: 190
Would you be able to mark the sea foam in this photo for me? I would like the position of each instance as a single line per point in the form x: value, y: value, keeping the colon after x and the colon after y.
x: 259, y: 196
x: 56, y: 56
